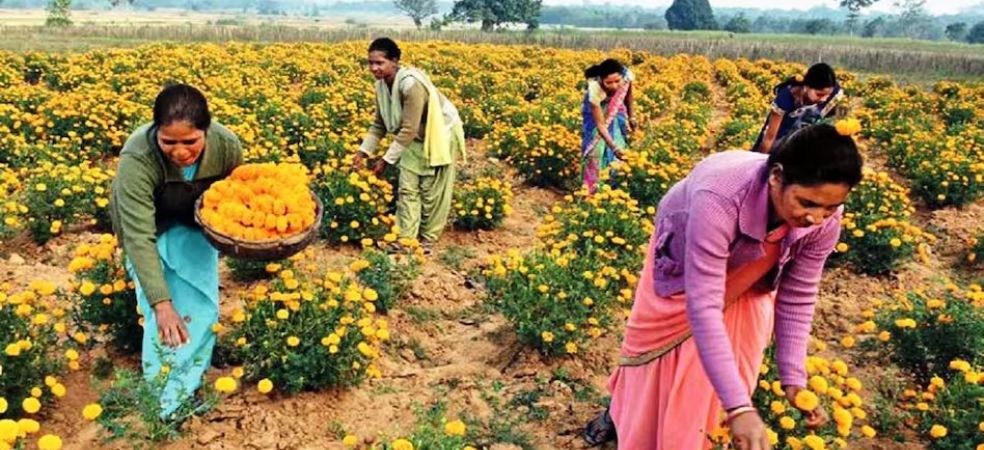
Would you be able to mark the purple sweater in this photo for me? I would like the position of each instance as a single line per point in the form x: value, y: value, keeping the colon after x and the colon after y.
x: 715, y: 220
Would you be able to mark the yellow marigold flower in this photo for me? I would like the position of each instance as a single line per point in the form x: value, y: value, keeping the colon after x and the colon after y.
x: 87, y: 288
x: 570, y: 348
x: 773, y: 436
x: 49, y: 442
x: 28, y: 426
x: 843, y: 417
x: 13, y: 350
x: 794, y: 443
x: 818, y: 384
x: 455, y: 428
x: 92, y: 411
x: 777, y: 407
x: 868, y: 432
x: 31, y: 405
x: 854, y: 384
x: 859, y: 413
x: 806, y: 400
x: 264, y: 386
x: 9, y: 432
x: 401, y: 444
x: 3, y: 405
x: 938, y: 431
x: 787, y: 423
x: 226, y: 384
x: 293, y: 341
x: 848, y: 341
x: 959, y: 364
x: 814, y: 442
x: 935, y: 303
x: 350, y: 440
x: 905, y: 323
x: 777, y: 389
x: 972, y: 377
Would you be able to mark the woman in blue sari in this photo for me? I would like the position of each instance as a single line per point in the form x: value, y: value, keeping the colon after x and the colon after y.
x: 800, y: 101
x: 608, y: 118
x: 164, y: 167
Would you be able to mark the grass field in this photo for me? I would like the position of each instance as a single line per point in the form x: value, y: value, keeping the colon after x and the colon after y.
x: 907, y: 60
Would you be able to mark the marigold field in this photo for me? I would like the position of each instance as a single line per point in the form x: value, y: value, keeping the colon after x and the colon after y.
x: 504, y: 336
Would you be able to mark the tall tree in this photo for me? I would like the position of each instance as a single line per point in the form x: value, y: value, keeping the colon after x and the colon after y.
x: 492, y: 13
x: 418, y: 10
x: 690, y: 15
x: 854, y: 8
x: 873, y: 27
x: 956, y: 31
x: 739, y: 24
x: 976, y: 34
x: 59, y: 13
x: 818, y: 26
x: 910, y: 11
x: 914, y: 22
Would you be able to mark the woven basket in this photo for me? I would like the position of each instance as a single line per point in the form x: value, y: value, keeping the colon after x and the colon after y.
x: 269, y: 250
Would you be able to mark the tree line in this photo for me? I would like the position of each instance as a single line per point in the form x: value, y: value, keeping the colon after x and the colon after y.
x: 911, y: 20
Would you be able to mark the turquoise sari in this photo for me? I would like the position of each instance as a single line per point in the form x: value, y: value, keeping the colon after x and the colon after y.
x: 191, y: 269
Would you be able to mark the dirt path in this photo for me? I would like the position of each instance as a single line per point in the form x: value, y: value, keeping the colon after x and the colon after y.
x: 448, y: 347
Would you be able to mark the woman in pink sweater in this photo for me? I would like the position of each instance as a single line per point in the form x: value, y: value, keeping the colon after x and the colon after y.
x: 736, y: 257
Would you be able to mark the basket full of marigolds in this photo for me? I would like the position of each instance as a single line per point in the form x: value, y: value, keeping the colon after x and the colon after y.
x: 261, y: 212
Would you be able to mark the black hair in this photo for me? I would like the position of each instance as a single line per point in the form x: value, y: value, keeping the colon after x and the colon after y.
x: 604, y: 69
x: 818, y: 76
x: 181, y: 102
x: 388, y: 47
x: 816, y: 155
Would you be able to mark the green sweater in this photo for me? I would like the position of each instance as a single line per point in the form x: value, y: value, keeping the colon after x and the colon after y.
x: 150, y: 194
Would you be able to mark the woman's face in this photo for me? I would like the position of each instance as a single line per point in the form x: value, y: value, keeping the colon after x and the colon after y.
x: 803, y: 206
x: 382, y: 67
x: 181, y: 142
x: 813, y: 96
x: 611, y: 82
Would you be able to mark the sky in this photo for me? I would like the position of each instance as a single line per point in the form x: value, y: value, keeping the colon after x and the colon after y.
x: 934, y: 6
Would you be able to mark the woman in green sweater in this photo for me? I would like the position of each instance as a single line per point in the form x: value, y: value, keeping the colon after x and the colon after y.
x: 164, y: 167
x: 428, y: 141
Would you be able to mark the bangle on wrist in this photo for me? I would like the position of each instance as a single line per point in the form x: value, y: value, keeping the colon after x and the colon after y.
x: 738, y: 411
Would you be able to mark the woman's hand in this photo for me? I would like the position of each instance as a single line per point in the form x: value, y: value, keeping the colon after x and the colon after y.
x: 378, y: 169
x: 358, y: 159
x: 170, y: 328
x: 814, y: 419
x: 748, y: 432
